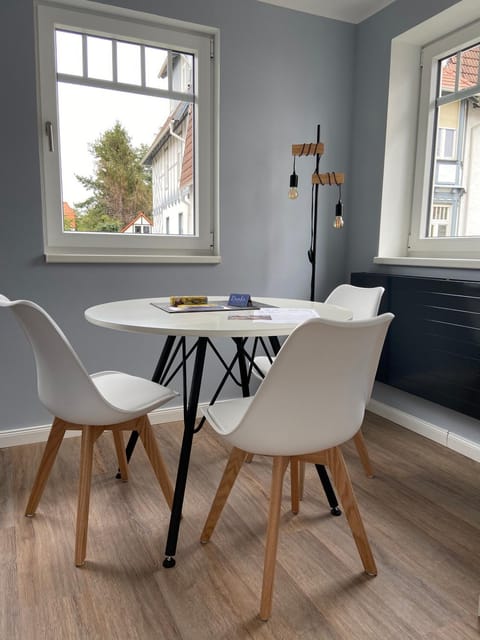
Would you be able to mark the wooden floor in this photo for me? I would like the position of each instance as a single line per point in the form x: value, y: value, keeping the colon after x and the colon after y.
x: 421, y: 511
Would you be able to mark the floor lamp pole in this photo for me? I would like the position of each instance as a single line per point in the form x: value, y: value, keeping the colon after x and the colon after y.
x: 331, y: 178
x: 313, y: 252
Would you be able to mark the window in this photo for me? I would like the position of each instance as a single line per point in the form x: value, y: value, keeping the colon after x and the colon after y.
x: 450, y: 116
x: 431, y: 189
x: 128, y: 134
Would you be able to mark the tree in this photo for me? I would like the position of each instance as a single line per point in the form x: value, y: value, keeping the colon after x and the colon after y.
x: 121, y: 185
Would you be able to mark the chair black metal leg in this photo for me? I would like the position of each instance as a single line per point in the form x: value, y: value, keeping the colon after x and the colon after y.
x: 184, y: 461
x: 329, y: 492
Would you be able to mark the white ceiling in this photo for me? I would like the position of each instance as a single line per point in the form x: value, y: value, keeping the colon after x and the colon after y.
x: 347, y: 10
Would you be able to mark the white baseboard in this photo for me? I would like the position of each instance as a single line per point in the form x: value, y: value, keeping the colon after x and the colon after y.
x: 427, y: 429
x: 464, y: 446
x: 29, y: 435
x: 39, y: 433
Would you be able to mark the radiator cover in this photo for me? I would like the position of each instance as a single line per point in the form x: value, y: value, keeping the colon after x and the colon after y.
x: 433, y: 345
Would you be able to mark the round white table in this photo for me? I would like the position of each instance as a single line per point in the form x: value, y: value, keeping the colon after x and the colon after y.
x: 144, y: 316
x: 141, y: 316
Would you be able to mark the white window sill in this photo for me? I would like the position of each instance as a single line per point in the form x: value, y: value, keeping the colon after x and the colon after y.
x: 450, y: 263
x: 97, y: 257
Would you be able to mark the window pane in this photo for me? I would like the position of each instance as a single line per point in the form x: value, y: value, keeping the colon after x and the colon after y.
x: 469, y: 67
x: 99, y: 56
x: 456, y: 159
x: 156, y: 68
x: 128, y: 63
x: 122, y: 154
x: 456, y: 176
x: 69, y: 53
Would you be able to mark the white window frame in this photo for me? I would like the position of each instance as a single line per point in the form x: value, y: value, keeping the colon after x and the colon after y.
x: 420, y: 244
x: 407, y: 135
x: 148, y: 29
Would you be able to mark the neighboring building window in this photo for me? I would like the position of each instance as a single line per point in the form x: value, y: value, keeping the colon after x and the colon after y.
x: 128, y: 113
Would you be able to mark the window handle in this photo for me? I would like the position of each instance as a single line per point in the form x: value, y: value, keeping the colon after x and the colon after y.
x: 49, y: 132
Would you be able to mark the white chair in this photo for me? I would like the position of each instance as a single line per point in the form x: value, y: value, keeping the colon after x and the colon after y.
x: 363, y: 302
x: 105, y: 401
x: 311, y: 402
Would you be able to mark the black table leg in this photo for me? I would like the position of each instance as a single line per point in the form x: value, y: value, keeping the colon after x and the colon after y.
x: 275, y: 344
x: 242, y: 366
x: 184, y: 461
x: 329, y: 492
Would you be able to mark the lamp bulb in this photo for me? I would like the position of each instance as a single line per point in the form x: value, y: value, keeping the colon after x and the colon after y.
x: 338, y: 222
x: 293, y: 193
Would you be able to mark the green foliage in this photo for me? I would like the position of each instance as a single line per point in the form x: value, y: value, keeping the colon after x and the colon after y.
x: 120, y: 187
x: 95, y: 220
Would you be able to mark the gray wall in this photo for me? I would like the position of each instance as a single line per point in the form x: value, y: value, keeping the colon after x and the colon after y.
x: 282, y: 72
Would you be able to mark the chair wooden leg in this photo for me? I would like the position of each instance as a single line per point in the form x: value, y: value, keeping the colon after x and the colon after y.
x: 50, y: 453
x: 295, y: 483
x: 121, y: 455
x: 343, y: 484
x: 234, y: 464
x: 359, y: 441
x: 301, y: 479
x: 280, y: 464
x: 89, y: 435
x: 156, y: 460
x: 249, y: 457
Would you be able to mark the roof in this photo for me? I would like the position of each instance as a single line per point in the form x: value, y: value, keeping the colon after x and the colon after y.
x: 175, y: 118
x: 468, y: 71
x: 139, y: 215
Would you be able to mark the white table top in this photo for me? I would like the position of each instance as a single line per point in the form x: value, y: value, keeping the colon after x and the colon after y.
x: 140, y: 316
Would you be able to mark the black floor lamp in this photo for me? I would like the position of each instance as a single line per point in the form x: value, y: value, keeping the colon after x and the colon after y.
x: 330, y: 179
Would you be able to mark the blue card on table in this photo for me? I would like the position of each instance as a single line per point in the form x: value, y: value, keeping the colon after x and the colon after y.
x: 239, y: 300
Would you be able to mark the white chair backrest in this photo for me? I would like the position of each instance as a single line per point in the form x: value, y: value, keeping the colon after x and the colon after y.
x: 315, y: 394
x: 362, y: 301
x: 64, y: 386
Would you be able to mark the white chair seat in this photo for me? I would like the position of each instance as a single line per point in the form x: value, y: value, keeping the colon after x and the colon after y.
x: 130, y: 394
x: 225, y: 416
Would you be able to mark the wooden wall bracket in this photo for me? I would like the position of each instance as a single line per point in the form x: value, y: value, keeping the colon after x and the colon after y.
x: 332, y: 178
x: 308, y: 149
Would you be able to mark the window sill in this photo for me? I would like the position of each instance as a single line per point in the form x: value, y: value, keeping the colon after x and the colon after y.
x: 124, y: 258
x: 449, y: 263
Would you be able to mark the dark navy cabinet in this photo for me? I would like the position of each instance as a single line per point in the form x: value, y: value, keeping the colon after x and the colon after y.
x: 433, y: 345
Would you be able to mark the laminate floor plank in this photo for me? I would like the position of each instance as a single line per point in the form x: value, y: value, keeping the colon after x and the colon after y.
x: 421, y: 513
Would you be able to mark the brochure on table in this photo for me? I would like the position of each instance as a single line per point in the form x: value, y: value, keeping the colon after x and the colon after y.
x: 235, y: 302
